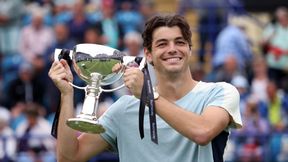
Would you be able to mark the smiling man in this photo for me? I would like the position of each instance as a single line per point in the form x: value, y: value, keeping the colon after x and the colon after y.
x: 193, y: 118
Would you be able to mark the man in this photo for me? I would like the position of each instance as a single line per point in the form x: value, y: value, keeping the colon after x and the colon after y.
x: 193, y: 117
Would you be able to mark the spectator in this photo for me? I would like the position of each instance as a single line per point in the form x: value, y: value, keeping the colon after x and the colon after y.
x: 276, y: 113
x: 112, y: 31
x: 227, y: 71
x: 93, y: 34
x: 128, y: 18
x: 64, y: 4
x: 275, y: 37
x: 253, y: 136
x: 35, y: 38
x: 260, y: 79
x: 147, y: 10
x: 7, y: 139
x: 35, y: 142
x: 232, y: 40
x: 62, y: 41
x: 79, y: 22
x: 241, y: 83
x: 11, y: 13
x: 26, y: 87
x: 10, y: 24
x: 45, y: 7
x: 212, y: 18
x: 133, y: 44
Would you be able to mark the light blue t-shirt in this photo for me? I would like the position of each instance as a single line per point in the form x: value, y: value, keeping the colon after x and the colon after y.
x: 122, y: 131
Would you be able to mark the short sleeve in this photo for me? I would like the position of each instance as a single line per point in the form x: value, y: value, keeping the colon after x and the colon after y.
x: 227, y: 96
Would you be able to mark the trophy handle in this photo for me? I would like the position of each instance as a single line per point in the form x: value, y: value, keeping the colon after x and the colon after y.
x: 66, y: 55
x: 126, y: 61
x: 63, y: 54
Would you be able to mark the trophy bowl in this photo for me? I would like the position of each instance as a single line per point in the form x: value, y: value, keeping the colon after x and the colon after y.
x: 92, y: 58
x: 93, y: 63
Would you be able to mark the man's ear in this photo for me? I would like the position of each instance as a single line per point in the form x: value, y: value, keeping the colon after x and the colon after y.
x: 148, y: 55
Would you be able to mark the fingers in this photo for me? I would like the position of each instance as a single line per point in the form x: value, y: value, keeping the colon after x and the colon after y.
x: 57, y: 67
x: 59, y: 71
x: 131, y: 75
x: 65, y: 64
x: 61, y: 75
x: 133, y: 79
x: 117, y: 67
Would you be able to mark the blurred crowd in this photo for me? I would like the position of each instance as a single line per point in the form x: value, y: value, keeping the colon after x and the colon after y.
x: 31, y: 30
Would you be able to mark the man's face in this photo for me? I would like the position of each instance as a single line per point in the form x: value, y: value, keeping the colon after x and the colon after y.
x: 170, y: 52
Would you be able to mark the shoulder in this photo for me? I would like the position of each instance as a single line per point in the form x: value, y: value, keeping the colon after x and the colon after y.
x: 226, y: 86
x: 221, y: 87
x: 227, y: 91
x: 227, y: 97
x: 220, y: 94
x: 216, y: 87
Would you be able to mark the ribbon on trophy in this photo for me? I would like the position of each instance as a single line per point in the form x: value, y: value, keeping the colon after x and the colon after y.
x: 147, y: 97
x: 55, y: 123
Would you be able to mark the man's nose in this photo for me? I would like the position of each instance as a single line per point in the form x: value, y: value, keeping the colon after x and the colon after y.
x: 172, y: 48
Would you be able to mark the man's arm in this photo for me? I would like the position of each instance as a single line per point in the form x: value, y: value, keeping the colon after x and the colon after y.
x: 69, y: 147
x: 198, y: 128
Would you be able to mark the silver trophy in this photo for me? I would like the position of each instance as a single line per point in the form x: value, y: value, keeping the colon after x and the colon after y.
x: 94, y: 63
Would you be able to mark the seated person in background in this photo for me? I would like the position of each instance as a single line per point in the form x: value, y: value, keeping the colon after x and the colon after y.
x: 7, y: 139
x: 35, y: 141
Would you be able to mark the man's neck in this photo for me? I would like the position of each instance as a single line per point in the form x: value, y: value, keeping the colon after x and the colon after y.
x: 177, y: 88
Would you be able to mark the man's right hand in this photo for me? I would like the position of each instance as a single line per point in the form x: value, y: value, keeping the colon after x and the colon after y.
x: 61, y: 75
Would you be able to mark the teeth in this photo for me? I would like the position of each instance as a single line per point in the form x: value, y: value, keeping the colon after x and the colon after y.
x: 173, y: 59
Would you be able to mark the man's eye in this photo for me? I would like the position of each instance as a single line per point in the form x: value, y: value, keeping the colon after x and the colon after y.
x: 181, y: 42
x: 161, y: 45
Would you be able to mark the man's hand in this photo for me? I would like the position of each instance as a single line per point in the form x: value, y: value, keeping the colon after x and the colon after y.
x: 61, y: 75
x: 134, y: 79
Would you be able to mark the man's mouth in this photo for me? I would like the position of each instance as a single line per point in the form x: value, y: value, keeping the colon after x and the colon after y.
x: 173, y: 59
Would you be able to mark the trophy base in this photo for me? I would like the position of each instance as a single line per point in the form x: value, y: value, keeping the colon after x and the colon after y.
x: 85, y: 125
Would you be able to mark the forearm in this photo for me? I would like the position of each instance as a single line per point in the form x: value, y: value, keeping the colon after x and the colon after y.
x: 179, y: 119
x: 199, y: 128
x: 67, y: 142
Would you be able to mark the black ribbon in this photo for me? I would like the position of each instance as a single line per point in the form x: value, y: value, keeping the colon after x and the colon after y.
x: 147, y: 97
x: 55, y: 123
x: 64, y: 54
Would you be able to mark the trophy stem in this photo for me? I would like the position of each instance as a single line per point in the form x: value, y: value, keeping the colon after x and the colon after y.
x: 93, y: 91
x: 87, y: 120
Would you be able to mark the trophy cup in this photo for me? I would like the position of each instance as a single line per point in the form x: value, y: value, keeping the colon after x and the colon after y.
x: 93, y: 63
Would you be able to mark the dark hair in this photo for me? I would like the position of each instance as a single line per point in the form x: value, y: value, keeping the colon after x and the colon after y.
x: 33, y: 109
x: 165, y: 20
